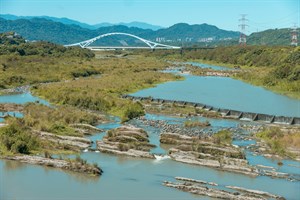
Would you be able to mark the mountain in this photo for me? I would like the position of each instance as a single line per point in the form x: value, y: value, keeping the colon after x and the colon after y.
x: 130, y: 25
x: 270, y: 37
x: 193, y: 33
x: 83, y: 25
x: 66, y: 31
x: 55, y: 19
x: 142, y: 25
x: 44, y: 29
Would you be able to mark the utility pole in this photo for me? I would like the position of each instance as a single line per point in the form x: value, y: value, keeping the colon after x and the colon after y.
x: 294, y: 34
x: 242, y: 25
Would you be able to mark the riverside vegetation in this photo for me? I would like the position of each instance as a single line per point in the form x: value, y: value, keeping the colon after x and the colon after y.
x: 279, y: 141
x: 276, y: 68
x: 128, y: 141
x: 46, y: 131
x: 70, y: 70
x: 80, y: 86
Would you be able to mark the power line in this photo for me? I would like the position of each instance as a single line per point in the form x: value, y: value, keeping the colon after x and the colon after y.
x: 294, y: 34
x: 243, y: 25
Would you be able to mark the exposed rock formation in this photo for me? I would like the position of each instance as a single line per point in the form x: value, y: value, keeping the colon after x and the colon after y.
x: 86, y: 129
x: 71, y: 165
x: 201, y: 188
x: 78, y: 142
x: 126, y: 140
x: 11, y: 107
x: 193, y: 150
x: 255, y: 192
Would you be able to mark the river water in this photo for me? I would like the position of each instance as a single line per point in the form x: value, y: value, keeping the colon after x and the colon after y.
x: 132, y: 178
x: 224, y: 92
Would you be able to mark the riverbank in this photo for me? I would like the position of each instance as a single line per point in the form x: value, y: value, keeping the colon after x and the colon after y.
x: 15, y: 90
x: 274, y: 68
x: 120, y: 76
x: 278, y: 142
x: 77, y: 165
x: 253, y: 75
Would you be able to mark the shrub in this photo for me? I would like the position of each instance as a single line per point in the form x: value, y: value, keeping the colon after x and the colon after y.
x: 222, y: 137
x: 48, y: 155
x: 20, y: 147
x: 133, y: 110
x: 17, y: 138
x: 196, y: 124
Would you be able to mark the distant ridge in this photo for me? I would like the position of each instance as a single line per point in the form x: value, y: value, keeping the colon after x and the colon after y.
x: 68, y: 21
x: 67, y: 31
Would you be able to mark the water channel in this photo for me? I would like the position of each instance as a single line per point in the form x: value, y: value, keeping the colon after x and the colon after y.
x: 131, y: 178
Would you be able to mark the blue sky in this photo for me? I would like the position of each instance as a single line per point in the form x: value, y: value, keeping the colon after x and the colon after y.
x: 262, y: 14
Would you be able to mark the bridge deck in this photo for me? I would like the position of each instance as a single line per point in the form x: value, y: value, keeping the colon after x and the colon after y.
x: 125, y: 47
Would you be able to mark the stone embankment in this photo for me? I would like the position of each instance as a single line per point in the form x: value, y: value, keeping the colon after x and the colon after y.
x: 74, y: 142
x: 221, y: 112
x: 72, y: 165
x: 127, y: 141
x: 205, y: 188
x: 193, y: 150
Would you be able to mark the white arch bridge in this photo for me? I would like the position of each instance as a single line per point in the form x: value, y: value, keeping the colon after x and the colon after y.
x: 150, y: 44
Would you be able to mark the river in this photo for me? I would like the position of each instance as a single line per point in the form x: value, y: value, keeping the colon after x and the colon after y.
x: 224, y: 92
x: 131, y: 178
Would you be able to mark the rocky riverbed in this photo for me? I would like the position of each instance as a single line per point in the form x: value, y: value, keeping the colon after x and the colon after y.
x: 194, y: 150
x: 127, y: 141
x: 73, y: 165
x: 208, y: 189
x: 74, y: 143
x: 16, y: 90
x: 176, y: 128
x: 186, y: 151
x: 11, y: 107
x: 86, y: 129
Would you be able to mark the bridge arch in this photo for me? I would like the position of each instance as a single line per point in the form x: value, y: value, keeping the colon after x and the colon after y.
x: 151, y: 44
